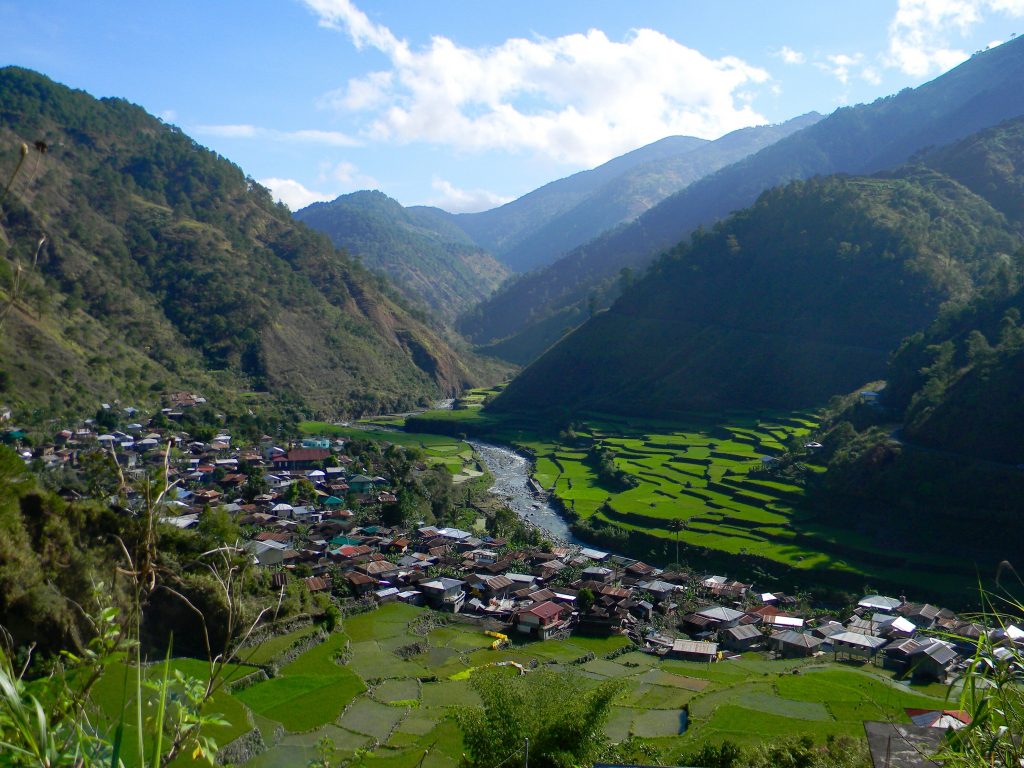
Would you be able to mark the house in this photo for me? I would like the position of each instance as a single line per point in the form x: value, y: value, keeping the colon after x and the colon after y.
x: 381, y: 570
x: 694, y: 650
x: 781, y: 622
x: 660, y: 591
x: 360, y: 582
x: 740, y: 638
x: 318, y: 584
x: 921, y: 615
x: 790, y: 644
x: 879, y: 603
x: 944, y: 719
x: 497, y: 586
x: 854, y: 645
x: 935, y: 661
x: 598, y: 573
x: 301, y: 458
x: 360, y: 484
x: 897, y: 655
x: 549, y: 569
x: 444, y: 594
x: 542, y: 619
x: 720, y: 617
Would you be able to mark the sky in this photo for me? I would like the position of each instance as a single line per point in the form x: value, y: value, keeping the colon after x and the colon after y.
x: 467, y: 105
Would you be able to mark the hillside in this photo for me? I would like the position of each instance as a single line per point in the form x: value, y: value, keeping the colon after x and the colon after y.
x: 431, y: 261
x: 803, y: 295
x: 942, y: 455
x: 500, y: 229
x: 531, y: 313
x: 622, y: 198
x: 165, y: 267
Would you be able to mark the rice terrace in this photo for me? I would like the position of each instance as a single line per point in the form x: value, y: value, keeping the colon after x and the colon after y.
x: 708, y: 485
x: 390, y: 678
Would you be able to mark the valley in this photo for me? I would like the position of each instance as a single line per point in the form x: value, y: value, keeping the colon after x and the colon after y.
x: 728, y: 492
x: 724, y: 464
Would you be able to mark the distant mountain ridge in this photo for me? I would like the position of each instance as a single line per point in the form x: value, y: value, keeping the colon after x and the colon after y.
x: 637, y: 189
x: 802, y: 296
x: 500, y: 229
x: 532, y: 312
x: 427, y: 256
x: 166, y: 268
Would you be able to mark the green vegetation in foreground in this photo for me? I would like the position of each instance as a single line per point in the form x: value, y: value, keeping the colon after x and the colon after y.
x: 114, y: 693
x: 702, y: 483
x: 401, y: 707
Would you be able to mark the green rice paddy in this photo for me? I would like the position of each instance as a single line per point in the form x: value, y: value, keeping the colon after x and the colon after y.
x: 455, y: 455
x: 707, y: 484
x: 400, y: 709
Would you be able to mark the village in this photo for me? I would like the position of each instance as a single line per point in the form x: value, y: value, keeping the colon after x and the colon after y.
x: 300, y: 525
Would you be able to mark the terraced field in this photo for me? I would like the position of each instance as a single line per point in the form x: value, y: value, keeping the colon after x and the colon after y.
x: 456, y: 455
x: 703, y: 486
x: 399, y: 708
x: 696, y: 478
x: 699, y: 483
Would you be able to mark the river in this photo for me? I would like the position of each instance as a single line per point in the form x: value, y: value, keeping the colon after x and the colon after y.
x: 511, y: 473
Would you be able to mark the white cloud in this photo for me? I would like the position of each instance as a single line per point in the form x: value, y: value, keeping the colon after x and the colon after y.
x: 790, y: 56
x: 292, y: 193
x: 347, y: 175
x: 312, y: 136
x: 839, y: 65
x: 870, y: 74
x: 455, y: 200
x: 580, y: 98
x: 167, y: 115
x: 306, y: 136
x: 920, y: 32
x: 228, y: 131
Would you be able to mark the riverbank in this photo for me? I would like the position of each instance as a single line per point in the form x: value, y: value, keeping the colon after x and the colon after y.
x: 512, y: 484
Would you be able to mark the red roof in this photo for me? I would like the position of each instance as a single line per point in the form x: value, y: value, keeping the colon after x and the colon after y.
x: 546, y: 610
x: 305, y: 454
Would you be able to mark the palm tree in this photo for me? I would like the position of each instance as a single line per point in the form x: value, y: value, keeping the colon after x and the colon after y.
x: 677, y: 525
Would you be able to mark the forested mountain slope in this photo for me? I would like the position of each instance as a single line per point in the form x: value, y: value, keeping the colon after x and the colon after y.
x: 165, y: 267
x: 499, y: 230
x: 799, y: 297
x: 438, y: 266
x: 532, y: 312
x: 622, y: 189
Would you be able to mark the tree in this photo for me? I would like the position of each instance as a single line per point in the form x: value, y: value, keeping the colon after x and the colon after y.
x: 585, y: 599
x: 564, y: 730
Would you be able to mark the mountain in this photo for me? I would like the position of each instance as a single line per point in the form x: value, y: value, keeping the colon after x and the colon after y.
x: 429, y: 259
x: 939, y: 462
x: 531, y: 313
x: 566, y: 213
x: 638, y: 189
x: 164, y: 268
x: 500, y: 229
x: 803, y: 295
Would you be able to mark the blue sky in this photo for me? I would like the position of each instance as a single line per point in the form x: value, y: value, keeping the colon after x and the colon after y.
x: 468, y: 104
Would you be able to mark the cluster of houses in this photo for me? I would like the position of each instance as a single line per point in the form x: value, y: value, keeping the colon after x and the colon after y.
x: 542, y: 592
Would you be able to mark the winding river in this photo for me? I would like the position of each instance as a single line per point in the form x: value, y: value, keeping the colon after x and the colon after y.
x: 511, y: 475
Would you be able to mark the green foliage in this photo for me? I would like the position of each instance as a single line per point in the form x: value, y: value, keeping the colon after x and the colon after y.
x: 431, y: 264
x: 563, y: 730
x: 172, y: 266
x: 613, y: 477
x: 842, y: 270
x: 535, y: 308
x: 529, y: 315
x: 795, y: 753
